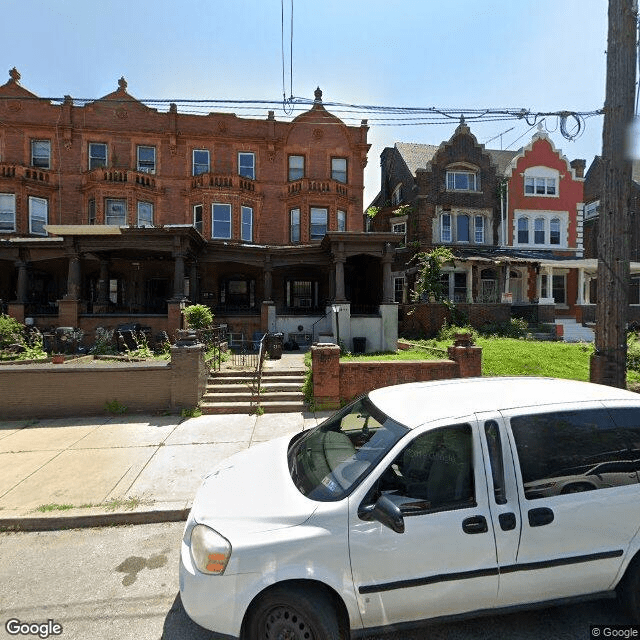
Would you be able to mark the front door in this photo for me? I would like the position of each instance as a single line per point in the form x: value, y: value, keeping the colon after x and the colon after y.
x: 445, y: 561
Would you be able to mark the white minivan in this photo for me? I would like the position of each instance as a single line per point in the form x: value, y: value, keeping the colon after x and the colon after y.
x: 421, y: 501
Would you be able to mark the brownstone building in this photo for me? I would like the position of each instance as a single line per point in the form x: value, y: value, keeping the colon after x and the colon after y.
x: 113, y: 212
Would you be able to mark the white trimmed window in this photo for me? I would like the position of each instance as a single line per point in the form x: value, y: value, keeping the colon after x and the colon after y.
x: 38, y: 215
x: 41, y: 154
x: 296, y: 167
x: 115, y: 212
x: 294, y: 226
x: 318, y: 227
x: 339, y: 169
x: 546, y: 229
x: 221, y: 221
x: 445, y: 227
x: 462, y: 227
x: 591, y: 209
x: 97, y: 155
x: 541, y: 181
x: 400, y: 227
x: 197, y: 217
x: 247, y: 165
x: 398, y: 288
x: 462, y: 181
x: 396, y: 196
x: 146, y: 159
x: 145, y: 214
x: 247, y: 224
x: 7, y: 212
x: 454, y: 285
x: 342, y: 220
x: 200, y: 161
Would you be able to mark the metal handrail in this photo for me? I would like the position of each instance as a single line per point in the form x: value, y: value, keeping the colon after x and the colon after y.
x: 261, y: 357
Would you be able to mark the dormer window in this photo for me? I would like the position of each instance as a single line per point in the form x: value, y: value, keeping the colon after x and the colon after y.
x: 541, y: 181
x: 462, y: 181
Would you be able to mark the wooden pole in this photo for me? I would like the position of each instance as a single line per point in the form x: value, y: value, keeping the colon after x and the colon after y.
x: 608, y: 363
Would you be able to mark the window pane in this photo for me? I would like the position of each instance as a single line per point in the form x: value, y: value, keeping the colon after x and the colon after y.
x: 97, y: 155
x: 200, y: 161
x: 246, y: 165
x: 434, y: 472
x: 570, y: 451
x: 529, y: 186
x: 462, y: 225
x: 197, y: 217
x: 459, y: 287
x: 295, y: 225
x: 221, y: 227
x: 147, y: 159
x: 342, y: 221
x: 554, y: 231
x: 41, y: 153
x: 115, y: 212
x: 538, y: 233
x: 551, y: 186
x: 445, y: 229
x: 318, y: 223
x: 559, y: 294
x: 540, y: 186
x: 479, y: 229
x: 145, y: 214
x: 339, y: 169
x: 247, y: 224
x: 38, y: 214
x: 7, y: 212
x: 296, y: 167
x: 523, y: 231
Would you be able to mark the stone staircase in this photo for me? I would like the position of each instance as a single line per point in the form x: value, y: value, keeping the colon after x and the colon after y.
x: 574, y: 331
x: 235, y: 392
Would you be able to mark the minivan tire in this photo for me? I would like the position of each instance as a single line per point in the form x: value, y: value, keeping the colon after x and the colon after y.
x: 629, y: 589
x: 301, y: 613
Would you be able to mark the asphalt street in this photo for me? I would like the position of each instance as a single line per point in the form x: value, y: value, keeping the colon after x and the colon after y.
x: 122, y: 582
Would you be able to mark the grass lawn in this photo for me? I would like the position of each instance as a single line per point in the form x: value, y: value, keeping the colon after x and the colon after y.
x: 510, y: 357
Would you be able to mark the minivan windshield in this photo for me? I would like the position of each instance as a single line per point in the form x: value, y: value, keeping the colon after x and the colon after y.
x: 328, y: 462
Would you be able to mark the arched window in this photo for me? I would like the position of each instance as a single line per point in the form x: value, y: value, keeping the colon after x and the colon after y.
x: 462, y: 227
x: 523, y: 230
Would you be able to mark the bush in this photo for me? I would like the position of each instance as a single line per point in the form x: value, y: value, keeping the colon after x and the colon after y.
x: 449, y: 331
x: 633, y: 352
x: 11, y: 331
x: 198, y: 316
x: 514, y: 328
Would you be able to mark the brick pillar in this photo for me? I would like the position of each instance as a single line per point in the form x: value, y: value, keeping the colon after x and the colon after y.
x: 467, y: 356
x: 68, y: 313
x: 325, y: 363
x: 174, y: 318
x: 188, y: 376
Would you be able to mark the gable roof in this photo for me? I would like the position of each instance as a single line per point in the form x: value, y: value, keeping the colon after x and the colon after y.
x: 418, y: 156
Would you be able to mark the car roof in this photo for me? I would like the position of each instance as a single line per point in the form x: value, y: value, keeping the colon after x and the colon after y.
x: 415, y: 403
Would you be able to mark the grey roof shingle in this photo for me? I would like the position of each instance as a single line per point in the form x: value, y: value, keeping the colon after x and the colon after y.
x: 418, y: 156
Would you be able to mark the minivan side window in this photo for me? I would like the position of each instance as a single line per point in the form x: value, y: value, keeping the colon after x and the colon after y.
x: 433, y: 473
x: 494, y: 445
x: 628, y: 420
x: 571, y: 451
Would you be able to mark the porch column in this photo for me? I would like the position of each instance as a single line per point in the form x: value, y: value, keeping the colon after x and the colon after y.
x: 507, y: 277
x: 268, y: 280
x: 587, y: 289
x: 194, y: 293
x: 73, y: 278
x: 580, y: 286
x: 23, y: 282
x: 339, y: 261
x: 178, y: 277
x: 103, y: 283
x: 469, y: 282
x: 387, y: 284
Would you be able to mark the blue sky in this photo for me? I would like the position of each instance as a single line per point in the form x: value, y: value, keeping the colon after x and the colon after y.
x: 542, y: 55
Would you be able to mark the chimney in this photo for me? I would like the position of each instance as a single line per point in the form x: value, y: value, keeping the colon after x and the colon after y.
x: 578, y: 166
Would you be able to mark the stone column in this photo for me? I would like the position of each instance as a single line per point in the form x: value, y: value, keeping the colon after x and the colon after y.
x: 73, y: 278
x: 581, y: 282
x: 339, y: 261
x: 469, y: 283
x: 268, y: 282
x: 194, y: 293
x: 23, y: 282
x: 103, y: 283
x: 178, y: 277
x: 387, y: 282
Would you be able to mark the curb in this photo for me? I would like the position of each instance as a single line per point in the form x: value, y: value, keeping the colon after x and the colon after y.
x: 57, y: 523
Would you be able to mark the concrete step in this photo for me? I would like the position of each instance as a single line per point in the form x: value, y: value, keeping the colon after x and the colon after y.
x: 248, y: 407
x: 249, y: 396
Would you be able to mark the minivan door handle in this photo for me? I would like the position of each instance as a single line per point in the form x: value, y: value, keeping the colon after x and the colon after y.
x: 540, y: 517
x: 475, y: 524
x: 507, y: 521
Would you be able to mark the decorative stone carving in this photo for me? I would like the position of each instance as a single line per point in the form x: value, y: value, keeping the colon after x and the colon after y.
x: 318, y: 134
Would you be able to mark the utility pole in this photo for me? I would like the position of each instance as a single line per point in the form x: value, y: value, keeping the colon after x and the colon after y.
x: 608, y: 363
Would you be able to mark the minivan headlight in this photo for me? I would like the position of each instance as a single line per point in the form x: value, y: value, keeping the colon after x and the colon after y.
x: 210, y: 550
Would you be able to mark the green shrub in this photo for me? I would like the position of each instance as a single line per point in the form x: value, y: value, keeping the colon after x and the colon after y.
x: 449, y: 331
x: 633, y: 352
x: 11, y: 331
x: 198, y: 316
x: 513, y: 328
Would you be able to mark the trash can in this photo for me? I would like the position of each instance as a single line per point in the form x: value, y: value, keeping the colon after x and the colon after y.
x: 274, y: 345
x: 359, y: 345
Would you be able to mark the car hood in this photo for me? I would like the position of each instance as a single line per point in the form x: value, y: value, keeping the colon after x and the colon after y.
x: 252, y: 491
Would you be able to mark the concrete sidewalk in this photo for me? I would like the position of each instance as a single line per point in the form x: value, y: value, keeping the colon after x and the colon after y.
x: 71, y: 472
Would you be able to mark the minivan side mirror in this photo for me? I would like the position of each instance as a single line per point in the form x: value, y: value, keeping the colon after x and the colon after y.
x: 385, y: 512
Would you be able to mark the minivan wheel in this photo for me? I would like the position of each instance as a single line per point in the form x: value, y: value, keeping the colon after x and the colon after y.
x: 629, y: 589
x: 286, y: 614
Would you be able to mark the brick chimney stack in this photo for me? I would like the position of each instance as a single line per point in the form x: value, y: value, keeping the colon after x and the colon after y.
x: 578, y: 166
